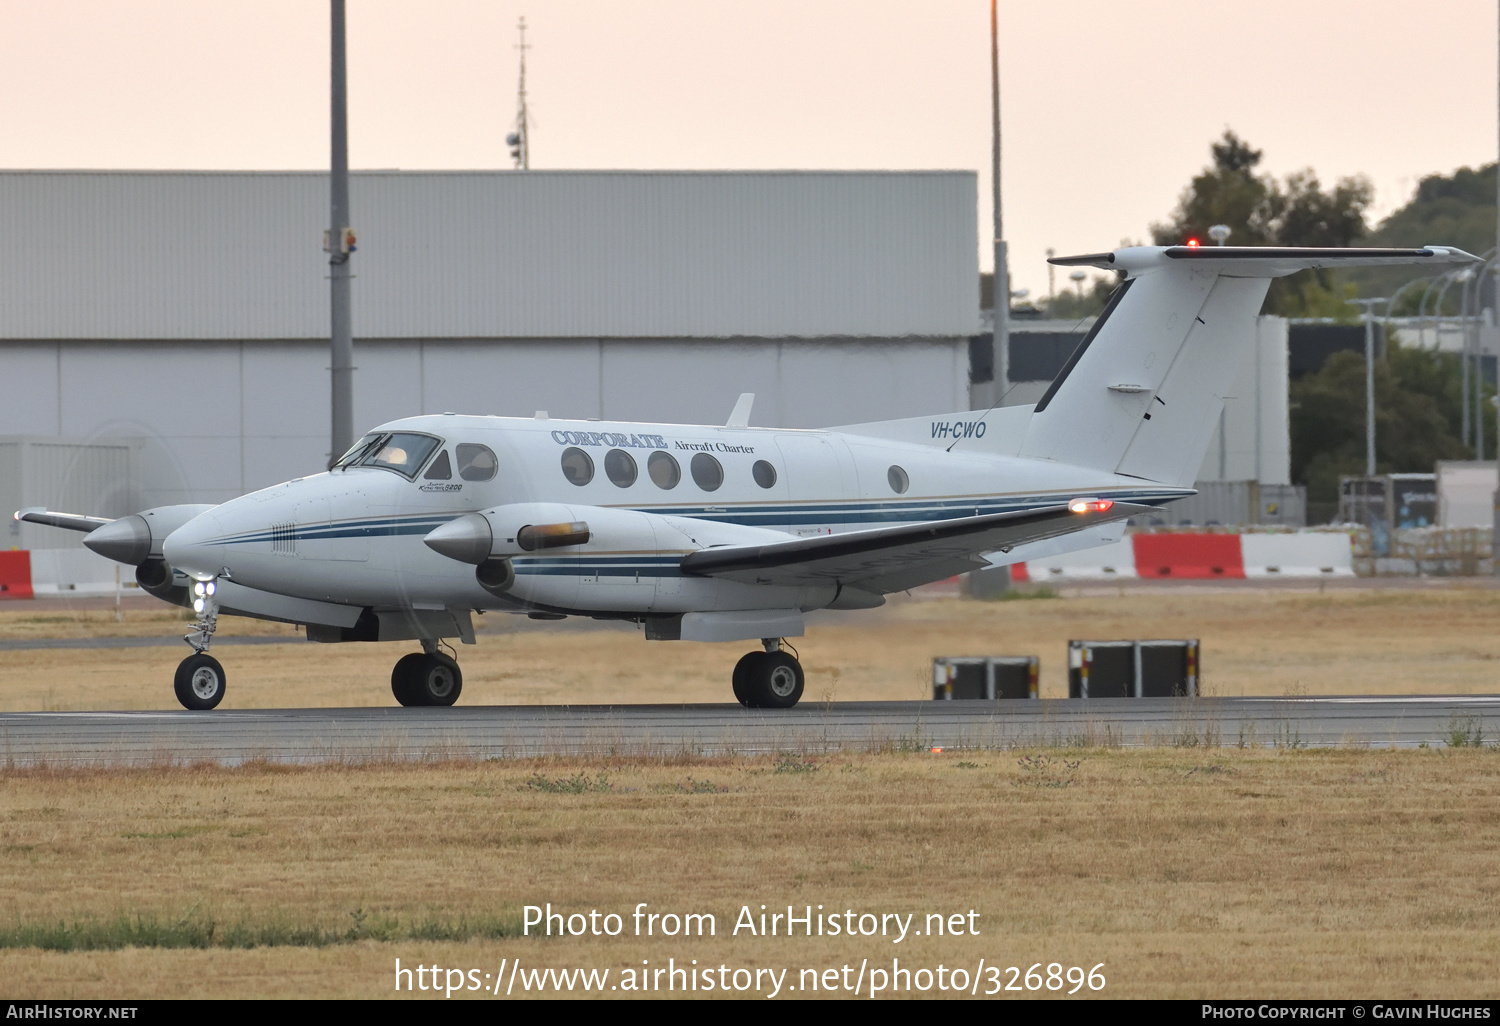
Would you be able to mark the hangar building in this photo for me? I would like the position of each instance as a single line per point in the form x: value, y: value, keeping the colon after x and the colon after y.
x: 179, y: 320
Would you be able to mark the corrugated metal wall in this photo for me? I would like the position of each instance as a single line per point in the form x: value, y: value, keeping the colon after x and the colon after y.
x: 217, y: 419
x: 93, y: 476
x: 167, y: 255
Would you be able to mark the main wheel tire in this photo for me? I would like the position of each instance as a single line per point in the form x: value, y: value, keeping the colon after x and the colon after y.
x: 776, y: 683
x: 199, y: 682
x: 404, y: 684
x: 438, y: 680
x: 745, y: 672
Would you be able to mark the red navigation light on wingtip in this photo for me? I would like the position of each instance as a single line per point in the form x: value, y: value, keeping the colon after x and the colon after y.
x: 1194, y: 243
x: 1090, y: 505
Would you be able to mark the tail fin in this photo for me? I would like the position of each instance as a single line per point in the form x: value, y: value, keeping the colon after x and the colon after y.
x: 1140, y: 394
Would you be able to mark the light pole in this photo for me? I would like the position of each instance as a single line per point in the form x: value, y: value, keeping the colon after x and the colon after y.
x: 1465, y: 276
x: 340, y: 244
x: 1220, y: 234
x: 1368, y: 306
x: 1001, y: 382
x: 1051, y: 288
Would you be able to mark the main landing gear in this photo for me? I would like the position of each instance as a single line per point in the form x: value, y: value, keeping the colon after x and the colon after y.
x: 427, y: 677
x: 199, y: 682
x: 769, y: 680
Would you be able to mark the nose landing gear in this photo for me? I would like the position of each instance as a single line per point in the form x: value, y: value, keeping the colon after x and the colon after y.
x: 199, y: 682
x: 427, y: 678
x: 771, y: 679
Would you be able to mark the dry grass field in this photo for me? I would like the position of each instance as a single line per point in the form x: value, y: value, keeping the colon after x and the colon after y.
x: 1188, y: 873
x: 1256, y: 641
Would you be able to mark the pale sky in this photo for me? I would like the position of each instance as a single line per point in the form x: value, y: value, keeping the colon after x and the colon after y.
x: 1108, y: 107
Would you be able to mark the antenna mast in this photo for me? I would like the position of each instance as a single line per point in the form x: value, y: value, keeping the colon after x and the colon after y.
x: 520, y: 139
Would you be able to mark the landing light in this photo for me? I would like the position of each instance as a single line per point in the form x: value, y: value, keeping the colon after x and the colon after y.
x: 1090, y: 505
x: 197, y: 605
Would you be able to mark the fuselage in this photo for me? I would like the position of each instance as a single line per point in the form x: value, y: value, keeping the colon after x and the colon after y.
x: 651, y: 494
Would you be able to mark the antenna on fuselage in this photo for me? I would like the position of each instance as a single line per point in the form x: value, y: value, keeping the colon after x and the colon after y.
x: 740, y: 416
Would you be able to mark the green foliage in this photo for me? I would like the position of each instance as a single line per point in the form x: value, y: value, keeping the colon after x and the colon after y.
x: 1261, y: 211
x: 579, y: 783
x: 1069, y: 305
x: 1045, y: 771
x: 788, y: 763
x: 1418, y: 416
x: 691, y: 786
x: 1447, y: 210
x: 1465, y: 732
x: 1024, y: 593
x: 199, y: 931
x: 1450, y: 210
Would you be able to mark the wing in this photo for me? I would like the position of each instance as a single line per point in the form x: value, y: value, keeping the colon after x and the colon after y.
x: 67, y: 521
x: 890, y: 559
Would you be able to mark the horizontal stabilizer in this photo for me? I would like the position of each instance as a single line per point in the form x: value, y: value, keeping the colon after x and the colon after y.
x: 890, y: 559
x: 1261, y: 261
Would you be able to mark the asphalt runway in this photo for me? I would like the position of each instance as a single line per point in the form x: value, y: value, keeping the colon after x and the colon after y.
x: 231, y: 737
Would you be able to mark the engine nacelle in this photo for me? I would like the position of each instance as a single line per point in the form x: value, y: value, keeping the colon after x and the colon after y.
x: 135, y: 539
x: 489, y: 539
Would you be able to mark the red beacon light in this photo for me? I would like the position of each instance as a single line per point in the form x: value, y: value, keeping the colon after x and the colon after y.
x: 1090, y: 505
x: 1194, y: 243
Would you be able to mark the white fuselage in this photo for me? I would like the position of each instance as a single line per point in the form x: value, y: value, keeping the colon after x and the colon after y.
x: 354, y: 536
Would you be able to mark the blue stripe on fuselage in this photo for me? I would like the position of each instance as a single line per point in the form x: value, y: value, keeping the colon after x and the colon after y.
x: 868, y: 514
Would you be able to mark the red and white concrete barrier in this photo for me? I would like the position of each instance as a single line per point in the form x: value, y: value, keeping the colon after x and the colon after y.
x: 1199, y: 556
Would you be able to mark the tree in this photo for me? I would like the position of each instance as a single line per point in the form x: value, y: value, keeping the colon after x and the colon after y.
x: 1229, y: 192
x: 1068, y: 305
x: 1260, y: 211
x: 1418, y: 411
x: 1446, y: 210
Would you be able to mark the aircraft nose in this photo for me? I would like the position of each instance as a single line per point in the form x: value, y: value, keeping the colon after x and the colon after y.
x: 127, y: 540
x: 191, y: 547
x: 466, y: 539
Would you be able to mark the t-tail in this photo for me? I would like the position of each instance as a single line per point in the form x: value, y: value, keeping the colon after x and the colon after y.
x: 1141, y: 393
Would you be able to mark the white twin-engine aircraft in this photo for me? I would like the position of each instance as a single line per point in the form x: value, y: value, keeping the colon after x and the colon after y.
x: 708, y: 533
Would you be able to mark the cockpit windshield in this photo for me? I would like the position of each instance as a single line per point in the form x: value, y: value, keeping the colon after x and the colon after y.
x: 403, y: 452
x: 360, y: 450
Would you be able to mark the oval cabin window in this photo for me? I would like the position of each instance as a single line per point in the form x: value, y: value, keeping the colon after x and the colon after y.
x: 619, y: 467
x: 664, y: 471
x: 577, y: 467
x: 707, y: 472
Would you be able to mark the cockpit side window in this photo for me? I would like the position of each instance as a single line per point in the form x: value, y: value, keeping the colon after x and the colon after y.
x: 402, y: 452
x: 476, y: 462
x: 441, y: 469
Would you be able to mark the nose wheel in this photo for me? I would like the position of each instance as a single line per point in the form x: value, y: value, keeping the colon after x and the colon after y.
x: 426, y: 678
x: 771, y: 679
x: 199, y: 682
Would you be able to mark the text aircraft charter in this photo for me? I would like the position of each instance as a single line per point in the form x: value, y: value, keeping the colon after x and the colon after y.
x: 718, y: 533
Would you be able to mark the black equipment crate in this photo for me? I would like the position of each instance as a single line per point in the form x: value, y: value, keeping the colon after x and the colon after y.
x: 1133, y: 669
x: 984, y: 677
